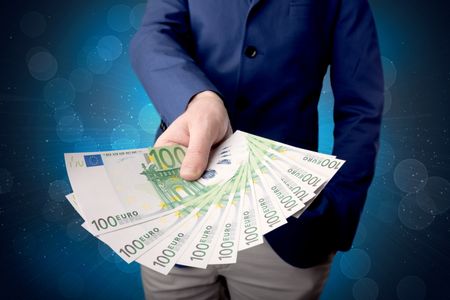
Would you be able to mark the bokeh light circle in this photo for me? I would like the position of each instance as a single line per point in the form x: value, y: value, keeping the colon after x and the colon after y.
x: 410, y: 175
x: 75, y: 231
x: 81, y: 79
x: 355, y: 263
x: 58, y: 189
x: 6, y: 181
x: 136, y: 15
x: 70, y: 129
x: 71, y: 285
x: 387, y: 101
x: 437, y: 199
x: 411, y: 215
x: 389, y: 72
x: 109, y: 47
x: 411, y: 288
x: 96, y: 64
x: 365, y: 289
x: 148, y: 118
x: 424, y: 201
x: 125, y: 136
x: 42, y: 65
x: 119, y: 18
x: 59, y: 93
x: 33, y: 24
x: 385, y: 158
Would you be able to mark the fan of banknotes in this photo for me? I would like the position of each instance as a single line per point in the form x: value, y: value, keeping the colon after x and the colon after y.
x: 135, y: 201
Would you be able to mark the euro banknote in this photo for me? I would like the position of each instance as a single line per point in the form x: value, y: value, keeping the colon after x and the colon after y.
x: 136, y: 202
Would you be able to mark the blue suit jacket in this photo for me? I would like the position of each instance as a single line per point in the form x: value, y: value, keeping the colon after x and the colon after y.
x: 267, y: 60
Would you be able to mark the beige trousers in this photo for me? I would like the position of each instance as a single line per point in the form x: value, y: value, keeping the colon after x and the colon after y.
x: 258, y: 274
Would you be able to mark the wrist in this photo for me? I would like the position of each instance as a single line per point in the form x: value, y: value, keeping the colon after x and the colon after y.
x: 205, y: 100
x: 208, y: 107
x: 208, y: 95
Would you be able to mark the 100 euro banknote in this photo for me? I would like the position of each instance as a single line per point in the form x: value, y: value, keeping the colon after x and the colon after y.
x: 117, y: 189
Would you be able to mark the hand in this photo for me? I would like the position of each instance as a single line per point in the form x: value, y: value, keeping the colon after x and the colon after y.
x: 204, y: 124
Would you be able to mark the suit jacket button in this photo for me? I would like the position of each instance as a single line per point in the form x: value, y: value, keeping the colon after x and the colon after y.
x: 250, y: 51
x: 162, y: 125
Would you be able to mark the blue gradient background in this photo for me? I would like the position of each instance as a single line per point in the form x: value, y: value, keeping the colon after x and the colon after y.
x: 401, y: 250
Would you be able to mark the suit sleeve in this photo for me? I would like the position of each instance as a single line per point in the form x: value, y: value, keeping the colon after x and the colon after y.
x: 161, y: 55
x: 358, y: 88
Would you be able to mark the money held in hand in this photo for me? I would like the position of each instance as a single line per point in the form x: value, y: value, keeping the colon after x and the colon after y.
x: 136, y: 202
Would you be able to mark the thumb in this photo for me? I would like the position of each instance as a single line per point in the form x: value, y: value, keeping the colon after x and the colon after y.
x: 197, y: 154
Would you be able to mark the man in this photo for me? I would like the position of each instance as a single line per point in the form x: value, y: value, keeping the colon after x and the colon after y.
x: 258, y: 66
